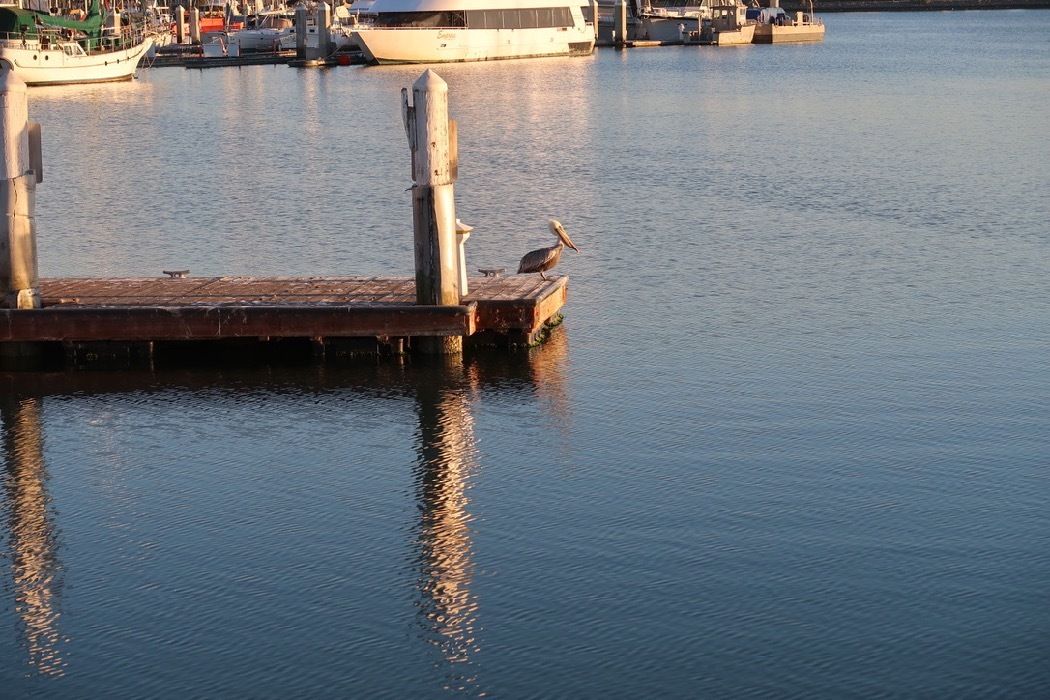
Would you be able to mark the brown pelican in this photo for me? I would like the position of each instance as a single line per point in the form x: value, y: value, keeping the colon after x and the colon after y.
x: 546, y: 258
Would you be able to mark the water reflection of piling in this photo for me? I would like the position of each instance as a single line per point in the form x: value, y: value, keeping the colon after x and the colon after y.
x: 447, y: 462
x: 34, y: 567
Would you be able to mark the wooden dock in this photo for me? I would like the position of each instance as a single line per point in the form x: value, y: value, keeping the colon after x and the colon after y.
x: 174, y: 318
x: 128, y: 321
x: 247, y: 59
x: 190, y: 56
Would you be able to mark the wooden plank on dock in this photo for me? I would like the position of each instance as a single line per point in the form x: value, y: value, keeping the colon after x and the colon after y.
x: 245, y: 59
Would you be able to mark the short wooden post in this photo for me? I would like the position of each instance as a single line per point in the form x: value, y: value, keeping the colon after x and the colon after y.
x: 180, y: 24
x: 19, y: 282
x: 462, y: 234
x: 433, y: 205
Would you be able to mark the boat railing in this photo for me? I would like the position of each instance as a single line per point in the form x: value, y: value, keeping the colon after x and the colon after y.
x: 45, y: 38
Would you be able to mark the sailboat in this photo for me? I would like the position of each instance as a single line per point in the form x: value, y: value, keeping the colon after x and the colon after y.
x: 44, y: 49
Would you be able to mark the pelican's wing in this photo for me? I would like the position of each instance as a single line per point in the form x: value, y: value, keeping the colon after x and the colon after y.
x: 539, y: 260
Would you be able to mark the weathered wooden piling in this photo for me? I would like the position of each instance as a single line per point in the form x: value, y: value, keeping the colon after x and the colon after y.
x: 620, y: 24
x: 195, y: 26
x: 433, y: 206
x: 323, y: 15
x: 180, y: 24
x: 302, y: 14
x: 19, y: 282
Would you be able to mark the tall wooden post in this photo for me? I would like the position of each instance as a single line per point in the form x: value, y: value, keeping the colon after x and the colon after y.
x: 324, y: 31
x: 301, y: 15
x: 180, y: 24
x: 594, y: 15
x: 620, y: 23
x: 195, y: 25
x: 433, y: 206
x: 19, y: 282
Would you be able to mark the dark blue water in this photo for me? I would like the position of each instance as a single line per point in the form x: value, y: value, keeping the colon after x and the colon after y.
x: 791, y: 440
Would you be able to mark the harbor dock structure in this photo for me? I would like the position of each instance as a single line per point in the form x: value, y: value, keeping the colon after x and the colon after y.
x: 136, y: 321
x: 176, y: 318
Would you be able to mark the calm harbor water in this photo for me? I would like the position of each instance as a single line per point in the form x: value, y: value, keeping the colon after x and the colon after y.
x: 790, y: 442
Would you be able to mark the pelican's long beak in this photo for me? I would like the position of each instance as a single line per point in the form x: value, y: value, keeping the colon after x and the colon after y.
x: 559, y: 231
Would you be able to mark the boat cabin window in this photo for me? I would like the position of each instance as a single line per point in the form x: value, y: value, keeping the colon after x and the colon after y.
x: 421, y: 19
x: 520, y: 19
x: 480, y: 19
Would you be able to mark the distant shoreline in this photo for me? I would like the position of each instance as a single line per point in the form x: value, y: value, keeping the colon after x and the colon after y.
x: 822, y: 6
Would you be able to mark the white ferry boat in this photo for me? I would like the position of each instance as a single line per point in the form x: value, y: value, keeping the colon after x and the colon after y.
x: 443, y: 31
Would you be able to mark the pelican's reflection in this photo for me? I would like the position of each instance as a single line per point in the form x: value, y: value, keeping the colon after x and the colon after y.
x: 549, y: 367
x: 447, y: 462
x: 543, y: 372
x: 34, y: 566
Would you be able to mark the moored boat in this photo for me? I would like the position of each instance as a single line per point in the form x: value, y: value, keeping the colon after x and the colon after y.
x: 43, y: 49
x: 727, y: 26
x: 665, y: 21
x: 442, y: 31
x: 777, y: 27
x: 270, y: 29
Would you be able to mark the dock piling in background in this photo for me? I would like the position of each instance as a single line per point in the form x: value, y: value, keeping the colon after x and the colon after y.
x: 195, y: 26
x: 433, y: 205
x: 301, y: 13
x: 323, y: 17
x: 180, y: 24
x: 620, y: 24
x: 19, y: 280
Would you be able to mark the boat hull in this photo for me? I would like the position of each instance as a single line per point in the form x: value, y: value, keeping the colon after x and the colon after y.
x: 53, y: 66
x: 665, y: 29
x: 789, y: 34
x: 261, y: 40
x: 741, y: 36
x: 387, y: 46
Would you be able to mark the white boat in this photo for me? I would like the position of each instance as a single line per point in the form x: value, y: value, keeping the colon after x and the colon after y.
x: 777, y: 27
x: 668, y: 20
x: 221, y: 47
x: 727, y: 26
x: 442, y: 31
x: 270, y: 29
x: 42, y: 49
